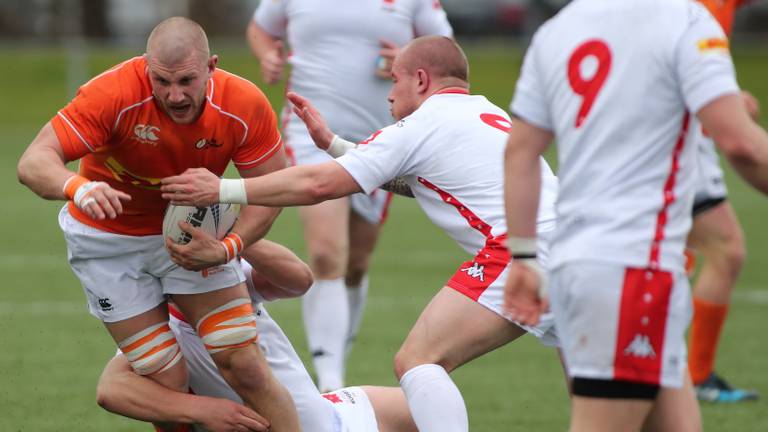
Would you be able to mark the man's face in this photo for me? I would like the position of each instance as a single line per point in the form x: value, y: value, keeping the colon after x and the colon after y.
x: 180, y: 88
x: 403, y: 98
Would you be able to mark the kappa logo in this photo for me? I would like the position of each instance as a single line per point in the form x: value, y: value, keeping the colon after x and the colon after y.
x: 640, y: 347
x: 146, y: 133
x: 477, y: 271
x: 105, y: 305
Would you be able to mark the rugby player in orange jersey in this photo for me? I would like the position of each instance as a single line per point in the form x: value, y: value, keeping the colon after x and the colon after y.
x: 717, y: 237
x: 151, y: 117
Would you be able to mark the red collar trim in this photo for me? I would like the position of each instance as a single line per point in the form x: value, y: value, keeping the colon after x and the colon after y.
x: 453, y: 90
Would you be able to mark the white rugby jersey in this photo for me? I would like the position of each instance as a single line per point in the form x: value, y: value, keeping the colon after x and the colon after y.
x: 615, y: 81
x: 335, y: 46
x: 450, y: 151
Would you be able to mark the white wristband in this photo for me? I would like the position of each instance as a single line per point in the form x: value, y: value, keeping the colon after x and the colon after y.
x: 522, y: 245
x: 339, y: 146
x: 232, y: 191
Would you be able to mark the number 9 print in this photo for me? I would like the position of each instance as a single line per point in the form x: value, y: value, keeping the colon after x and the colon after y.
x: 588, y: 88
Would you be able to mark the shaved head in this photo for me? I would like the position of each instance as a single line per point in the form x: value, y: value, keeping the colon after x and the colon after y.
x: 440, y: 56
x: 174, y: 40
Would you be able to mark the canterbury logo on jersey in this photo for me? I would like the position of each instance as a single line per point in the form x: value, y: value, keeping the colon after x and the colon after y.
x: 640, y: 347
x: 146, y: 133
x: 123, y: 175
x: 477, y: 271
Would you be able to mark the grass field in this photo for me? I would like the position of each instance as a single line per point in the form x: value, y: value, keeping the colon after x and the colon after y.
x: 53, y: 350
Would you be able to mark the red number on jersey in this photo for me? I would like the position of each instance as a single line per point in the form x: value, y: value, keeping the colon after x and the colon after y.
x: 588, y: 88
x: 497, y: 121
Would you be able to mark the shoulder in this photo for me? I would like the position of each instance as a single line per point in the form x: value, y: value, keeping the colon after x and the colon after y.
x: 123, y: 80
x: 237, y: 95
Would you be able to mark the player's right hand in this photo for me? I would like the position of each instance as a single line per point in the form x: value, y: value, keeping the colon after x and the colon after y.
x: 223, y: 415
x: 99, y: 200
x: 272, y: 64
x: 319, y: 131
x: 522, y: 301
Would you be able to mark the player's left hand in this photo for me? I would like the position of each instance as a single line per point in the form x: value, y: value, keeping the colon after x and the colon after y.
x: 202, y: 252
x: 387, y: 55
x: 195, y: 186
x: 522, y: 301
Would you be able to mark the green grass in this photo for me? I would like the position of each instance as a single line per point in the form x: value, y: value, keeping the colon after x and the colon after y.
x: 53, y: 351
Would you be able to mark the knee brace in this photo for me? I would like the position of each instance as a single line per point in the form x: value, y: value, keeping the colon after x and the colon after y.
x: 229, y: 326
x: 152, y: 350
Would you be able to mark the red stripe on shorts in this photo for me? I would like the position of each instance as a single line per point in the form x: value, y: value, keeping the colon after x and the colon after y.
x: 642, y: 325
x: 474, y: 277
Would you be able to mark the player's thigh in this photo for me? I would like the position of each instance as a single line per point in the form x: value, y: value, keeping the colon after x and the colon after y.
x: 326, y: 225
x: 624, y: 324
x: 452, y: 330
x: 675, y: 410
x: 715, y: 227
x: 608, y: 415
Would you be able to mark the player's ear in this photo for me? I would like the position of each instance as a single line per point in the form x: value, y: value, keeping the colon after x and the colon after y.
x: 422, y: 80
x: 212, y: 63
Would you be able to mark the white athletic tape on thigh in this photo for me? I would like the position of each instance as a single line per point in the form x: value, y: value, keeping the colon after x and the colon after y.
x: 229, y: 326
x: 152, y: 350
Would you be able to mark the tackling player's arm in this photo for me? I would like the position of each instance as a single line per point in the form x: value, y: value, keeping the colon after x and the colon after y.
x: 277, y: 272
x: 121, y: 391
x: 744, y: 142
x: 42, y: 169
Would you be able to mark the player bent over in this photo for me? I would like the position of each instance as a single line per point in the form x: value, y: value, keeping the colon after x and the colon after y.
x: 147, y: 118
x: 448, y: 147
x: 621, y: 117
x: 276, y: 273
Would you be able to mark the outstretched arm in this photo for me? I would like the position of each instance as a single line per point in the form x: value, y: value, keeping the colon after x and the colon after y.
x: 122, y: 391
x: 277, y: 272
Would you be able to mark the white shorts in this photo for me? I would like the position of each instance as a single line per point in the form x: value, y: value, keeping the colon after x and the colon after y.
x: 618, y: 323
x: 124, y: 276
x: 354, y: 409
x: 482, y: 279
x: 710, y: 189
x: 317, y: 413
x: 303, y: 151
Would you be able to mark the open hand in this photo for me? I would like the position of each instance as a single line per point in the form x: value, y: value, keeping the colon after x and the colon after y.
x: 522, y: 301
x: 223, y: 415
x: 99, y: 200
x: 272, y: 64
x: 316, y: 126
x: 196, y: 187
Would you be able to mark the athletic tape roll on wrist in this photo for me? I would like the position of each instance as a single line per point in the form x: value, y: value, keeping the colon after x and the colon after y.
x: 339, y: 146
x: 523, y: 250
x: 233, y: 245
x: 232, y: 191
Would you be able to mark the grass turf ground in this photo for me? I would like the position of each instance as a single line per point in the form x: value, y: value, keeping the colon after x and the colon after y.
x: 53, y: 351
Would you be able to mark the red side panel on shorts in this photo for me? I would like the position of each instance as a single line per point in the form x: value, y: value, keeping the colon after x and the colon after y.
x: 642, y: 325
x: 474, y: 277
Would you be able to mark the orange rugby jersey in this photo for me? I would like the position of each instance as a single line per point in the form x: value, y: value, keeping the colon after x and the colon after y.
x: 125, y: 139
x: 723, y: 11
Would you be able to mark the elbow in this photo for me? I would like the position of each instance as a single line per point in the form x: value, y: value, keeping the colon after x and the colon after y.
x: 22, y: 172
x: 105, y: 397
x: 738, y: 148
x: 304, y: 280
x: 320, y: 190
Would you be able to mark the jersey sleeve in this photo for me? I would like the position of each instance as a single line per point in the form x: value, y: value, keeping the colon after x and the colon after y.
x: 703, y: 61
x: 387, y: 154
x: 85, y: 124
x: 430, y: 19
x: 262, y: 139
x: 529, y: 101
x: 271, y: 16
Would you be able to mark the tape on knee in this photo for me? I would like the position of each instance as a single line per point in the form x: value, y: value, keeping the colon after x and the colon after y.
x: 228, y: 326
x: 152, y: 350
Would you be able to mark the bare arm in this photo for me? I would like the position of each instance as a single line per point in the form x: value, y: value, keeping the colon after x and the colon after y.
x: 122, y: 391
x: 295, y: 186
x: 523, y: 296
x: 42, y: 169
x: 269, y: 50
x: 742, y: 141
x: 278, y: 272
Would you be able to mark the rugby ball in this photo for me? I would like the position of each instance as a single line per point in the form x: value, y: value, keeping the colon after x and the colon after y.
x: 216, y: 220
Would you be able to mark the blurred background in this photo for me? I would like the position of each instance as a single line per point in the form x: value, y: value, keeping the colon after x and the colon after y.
x: 53, y: 351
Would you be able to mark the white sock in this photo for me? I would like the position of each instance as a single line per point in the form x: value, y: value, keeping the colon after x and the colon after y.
x: 357, y: 297
x: 435, y: 401
x: 326, y: 320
